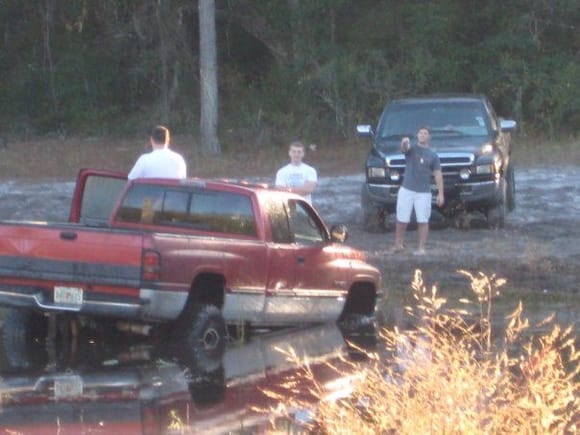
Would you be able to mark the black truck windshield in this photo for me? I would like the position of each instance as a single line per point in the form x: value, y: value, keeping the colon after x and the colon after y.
x: 450, y: 118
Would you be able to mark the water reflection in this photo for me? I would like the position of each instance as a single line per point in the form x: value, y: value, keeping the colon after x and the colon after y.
x: 134, y: 387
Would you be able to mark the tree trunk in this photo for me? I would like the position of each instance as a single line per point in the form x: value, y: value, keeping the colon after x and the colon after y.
x: 163, y: 58
x: 47, y: 21
x: 208, y: 77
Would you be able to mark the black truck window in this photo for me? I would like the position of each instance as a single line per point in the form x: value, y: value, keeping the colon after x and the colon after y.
x: 279, y: 224
x: 222, y: 212
x: 141, y: 203
x: 304, y: 225
x: 99, y: 199
x: 294, y: 222
x: 205, y: 210
x: 466, y: 118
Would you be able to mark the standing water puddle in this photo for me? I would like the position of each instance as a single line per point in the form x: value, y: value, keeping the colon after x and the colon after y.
x: 93, y: 386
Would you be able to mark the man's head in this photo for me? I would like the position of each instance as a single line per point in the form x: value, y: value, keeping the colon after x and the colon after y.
x: 160, y: 137
x: 423, y: 135
x: 296, y: 152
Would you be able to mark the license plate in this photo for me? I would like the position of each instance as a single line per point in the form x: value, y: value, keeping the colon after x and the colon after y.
x: 68, y: 295
x: 68, y: 387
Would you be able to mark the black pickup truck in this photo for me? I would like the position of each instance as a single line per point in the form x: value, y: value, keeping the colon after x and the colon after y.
x: 473, y: 144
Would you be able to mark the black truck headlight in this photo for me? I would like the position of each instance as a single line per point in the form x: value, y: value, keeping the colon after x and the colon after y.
x: 394, y: 175
x: 483, y: 169
x: 486, y: 149
x: 376, y: 172
x: 464, y: 174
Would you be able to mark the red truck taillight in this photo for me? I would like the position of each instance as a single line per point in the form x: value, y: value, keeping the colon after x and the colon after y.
x: 151, y: 265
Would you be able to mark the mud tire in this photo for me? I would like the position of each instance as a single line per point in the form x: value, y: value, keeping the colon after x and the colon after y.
x: 511, y: 189
x: 373, y: 216
x: 205, y: 333
x: 496, y: 215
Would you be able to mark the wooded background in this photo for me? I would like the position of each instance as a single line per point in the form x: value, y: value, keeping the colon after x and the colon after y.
x: 302, y: 68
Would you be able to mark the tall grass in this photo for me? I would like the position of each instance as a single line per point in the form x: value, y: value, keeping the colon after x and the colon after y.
x: 452, y: 374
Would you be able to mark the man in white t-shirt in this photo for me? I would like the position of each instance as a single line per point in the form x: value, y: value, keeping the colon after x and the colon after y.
x: 297, y: 176
x: 161, y: 162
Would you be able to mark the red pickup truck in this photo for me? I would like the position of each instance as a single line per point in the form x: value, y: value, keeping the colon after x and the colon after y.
x: 196, y: 253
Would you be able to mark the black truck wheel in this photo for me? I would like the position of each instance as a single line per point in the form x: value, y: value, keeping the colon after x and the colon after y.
x: 511, y: 188
x: 373, y: 216
x: 206, y: 335
x: 497, y: 213
x: 23, y: 336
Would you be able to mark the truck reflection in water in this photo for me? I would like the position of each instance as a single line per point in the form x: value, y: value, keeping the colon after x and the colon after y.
x: 144, y: 390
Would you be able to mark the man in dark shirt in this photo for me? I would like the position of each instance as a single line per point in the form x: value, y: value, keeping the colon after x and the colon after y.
x: 415, y: 192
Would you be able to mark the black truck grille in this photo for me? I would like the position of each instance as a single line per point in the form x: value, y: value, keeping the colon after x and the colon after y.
x: 447, y: 160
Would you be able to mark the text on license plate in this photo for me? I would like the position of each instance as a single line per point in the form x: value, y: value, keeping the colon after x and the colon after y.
x: 68, y: 295
x: 68, y: 387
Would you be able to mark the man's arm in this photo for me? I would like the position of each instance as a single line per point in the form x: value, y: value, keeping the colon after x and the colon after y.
x: 306, y: 189
x: 440, y: 187
x: 309, y: 184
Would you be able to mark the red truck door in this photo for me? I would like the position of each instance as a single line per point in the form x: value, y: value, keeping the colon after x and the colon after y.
x: 306, y: 281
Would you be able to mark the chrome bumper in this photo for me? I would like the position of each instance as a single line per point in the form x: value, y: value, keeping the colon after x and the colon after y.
x: 150, y: 305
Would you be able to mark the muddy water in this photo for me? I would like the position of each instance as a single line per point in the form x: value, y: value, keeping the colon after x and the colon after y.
x: 121, y: 385
x: 101, y: 385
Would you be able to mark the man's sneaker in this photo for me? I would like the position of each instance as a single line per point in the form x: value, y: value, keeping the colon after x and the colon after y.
x: 419, y: 252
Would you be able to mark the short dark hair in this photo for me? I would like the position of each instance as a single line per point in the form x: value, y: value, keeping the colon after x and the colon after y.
x: 160, y: 134
x: 424, y: 127
x: 296, y: 144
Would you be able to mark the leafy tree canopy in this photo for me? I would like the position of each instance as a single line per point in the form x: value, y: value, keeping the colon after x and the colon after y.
x: 116, y: 66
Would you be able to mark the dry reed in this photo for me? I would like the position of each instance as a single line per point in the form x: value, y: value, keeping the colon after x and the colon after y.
x: 447, y: 375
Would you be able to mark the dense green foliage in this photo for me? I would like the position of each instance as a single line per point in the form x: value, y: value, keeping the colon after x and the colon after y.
x: 313, y: 66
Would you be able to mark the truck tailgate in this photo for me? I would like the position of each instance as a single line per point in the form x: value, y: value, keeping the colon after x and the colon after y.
x: 69, y: 253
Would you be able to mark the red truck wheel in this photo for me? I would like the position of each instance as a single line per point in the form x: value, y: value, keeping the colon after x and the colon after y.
x: 206, y: 334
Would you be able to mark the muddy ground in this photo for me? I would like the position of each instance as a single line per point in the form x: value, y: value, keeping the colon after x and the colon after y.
x: 538, y: 251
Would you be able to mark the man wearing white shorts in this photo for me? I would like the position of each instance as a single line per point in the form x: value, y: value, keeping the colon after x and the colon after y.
x: 415, y: 192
